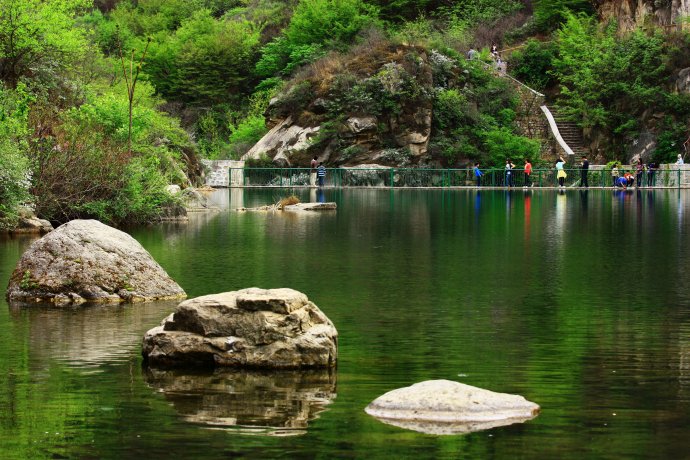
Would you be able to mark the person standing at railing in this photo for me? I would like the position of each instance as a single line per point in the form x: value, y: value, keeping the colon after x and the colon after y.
x: 312, y: 173
x: 509, y: 173
x: 651, y: 169
x: 614, y: 174
x: 560, y: 172
x: 528, y: 173
x: 478, y: 174
x: 583, y: 172
x: 680, y: 161
x: 639, y: 170
x: 321, y: 172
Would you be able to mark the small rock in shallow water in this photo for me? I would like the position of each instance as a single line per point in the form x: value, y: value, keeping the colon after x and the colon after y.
x: 446, y: 407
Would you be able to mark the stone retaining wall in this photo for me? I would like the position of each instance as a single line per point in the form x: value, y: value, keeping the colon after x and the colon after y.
x: 218, y: 173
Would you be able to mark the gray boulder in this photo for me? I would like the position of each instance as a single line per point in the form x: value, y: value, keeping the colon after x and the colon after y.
x: 446, y: 407
x: 32, y: 224
x: 87, y: 261
x: 274, y: 328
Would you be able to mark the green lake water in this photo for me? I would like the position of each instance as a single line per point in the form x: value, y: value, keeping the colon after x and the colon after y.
x: 578, y: 301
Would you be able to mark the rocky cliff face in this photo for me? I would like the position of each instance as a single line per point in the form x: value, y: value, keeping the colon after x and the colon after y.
x: 634, y: 13
x: 372, y: 105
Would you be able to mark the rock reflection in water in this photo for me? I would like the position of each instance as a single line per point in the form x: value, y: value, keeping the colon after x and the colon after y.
x: 87, y: 336
x: 452, y: 428
x: 251, y: 402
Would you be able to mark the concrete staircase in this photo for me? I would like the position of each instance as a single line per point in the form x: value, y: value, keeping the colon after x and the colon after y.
x: 572, y: 135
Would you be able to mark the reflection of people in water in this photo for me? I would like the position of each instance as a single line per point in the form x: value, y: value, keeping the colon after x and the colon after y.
x: 322, y: 196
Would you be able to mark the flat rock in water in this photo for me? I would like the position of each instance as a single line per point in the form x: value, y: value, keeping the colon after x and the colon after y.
x: 446, y: 407
x: 310, y: 207
x: 259, y: 328
x: 87, y: 261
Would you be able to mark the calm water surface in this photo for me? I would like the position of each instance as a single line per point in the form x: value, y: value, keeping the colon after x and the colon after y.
x: 578, y: 301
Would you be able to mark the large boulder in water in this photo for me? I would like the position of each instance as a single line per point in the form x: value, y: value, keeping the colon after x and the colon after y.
x: 87, y: 261
x: 446, y: 407
x: 274, y: 328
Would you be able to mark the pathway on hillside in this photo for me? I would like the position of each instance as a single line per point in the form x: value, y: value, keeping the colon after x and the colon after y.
x: 567, y: 133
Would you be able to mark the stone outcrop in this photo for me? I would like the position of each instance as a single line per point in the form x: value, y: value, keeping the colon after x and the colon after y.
x: 683, y: 81
x: 323, y: 116
x: 446, y: 407
x: 631, y: 14
x: 247, y: 401
x: 281, y: 141
x: 87, y: 261
x: 274, y: 328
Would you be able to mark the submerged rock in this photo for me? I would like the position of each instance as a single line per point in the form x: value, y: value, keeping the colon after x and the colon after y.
x: 274, y: 328
x: 310, y: 207
x: 445, y: 407
x: 87, y: 261
x: 247, y: 401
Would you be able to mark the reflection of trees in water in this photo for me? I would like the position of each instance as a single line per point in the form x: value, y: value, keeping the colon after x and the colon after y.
x: 89, y: 335
x: 254, y: 402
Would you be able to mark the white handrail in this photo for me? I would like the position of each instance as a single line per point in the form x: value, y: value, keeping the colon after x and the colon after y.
x: 554, y: 130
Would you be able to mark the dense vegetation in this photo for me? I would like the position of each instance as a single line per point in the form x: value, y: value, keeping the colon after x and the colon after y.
x: 212, y: 66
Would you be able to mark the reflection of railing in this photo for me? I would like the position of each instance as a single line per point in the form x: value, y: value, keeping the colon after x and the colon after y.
x: 420, y: 177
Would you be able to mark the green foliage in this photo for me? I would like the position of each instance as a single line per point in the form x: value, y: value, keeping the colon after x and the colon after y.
x: 451, y: 109
x: 262, y: 162
x: 475, y: 11
x: 669, y: 143
x: 533, y: 64
x: 204, y: 60
x: 247, y: 133
x: 294, y: 99
x: 502, y: 144
x: 14, y: 164
x: 36, y: 34
x: 477, y: 122
x: 549, y: 14
x: 315, y: 26
x: 609, y: 81
x: 84, y: 170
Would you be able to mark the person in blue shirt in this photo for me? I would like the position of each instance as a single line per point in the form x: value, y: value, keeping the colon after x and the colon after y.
x: 321, y: 172
x: 478, y: 174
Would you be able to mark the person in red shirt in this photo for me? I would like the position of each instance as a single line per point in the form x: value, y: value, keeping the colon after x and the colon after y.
x: 528, y: 173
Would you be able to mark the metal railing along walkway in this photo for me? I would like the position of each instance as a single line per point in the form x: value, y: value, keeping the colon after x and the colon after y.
x: 419, y: 177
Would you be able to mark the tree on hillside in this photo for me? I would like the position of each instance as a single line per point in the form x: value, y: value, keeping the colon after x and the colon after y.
x: 205, y: 60
x: 549, y: 14
x: 37, y: 34
x: 316, y: 26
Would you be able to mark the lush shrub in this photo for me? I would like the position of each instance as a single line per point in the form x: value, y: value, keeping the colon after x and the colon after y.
x: 549, y: 14
x: 247, y: 133
x: 14, y: 164
x: 84, y: 168
x: 36, y: 35
x: 205, y: 60
x: 501, y: 144
x: 609, y: 81
x: 316, y: 25
x: 533, y: 64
